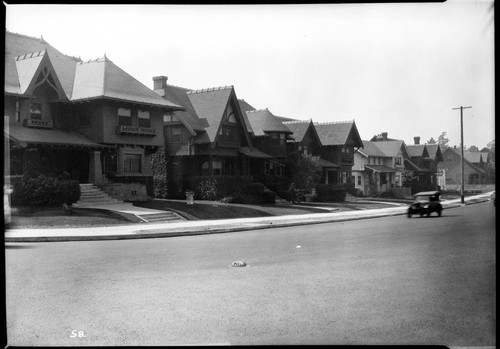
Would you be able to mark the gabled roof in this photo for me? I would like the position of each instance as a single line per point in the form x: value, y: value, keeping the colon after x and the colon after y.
x: 485, y: 156
x: 283, y: 118
x: 300, y: 129
x: 93, y: 79
x: 210, y: 105
x: 473, y: 157
x: 263, y: 121
x: 434, y: 151
x: 370, y: 149
x: 20, y: 46
x: 417, y: 150
x: 338, y: 133
x: 410, y: 165
x: 244, y: 106
x: 392, y: 148
x: 457, y: 155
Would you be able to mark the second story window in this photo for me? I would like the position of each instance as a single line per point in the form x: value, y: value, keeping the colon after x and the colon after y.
x: 398, y: 160
x: 35, y: 111
x: 169, y: 117
x: 124, y: 117
x: 144, y: 118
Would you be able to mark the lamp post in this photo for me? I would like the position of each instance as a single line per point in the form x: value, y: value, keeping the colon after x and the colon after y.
x: 462, y: 151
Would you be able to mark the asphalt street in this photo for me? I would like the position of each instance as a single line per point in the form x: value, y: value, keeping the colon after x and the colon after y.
x: 390, y: 280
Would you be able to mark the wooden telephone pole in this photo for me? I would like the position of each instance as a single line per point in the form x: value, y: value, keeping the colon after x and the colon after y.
x: 462, y: 150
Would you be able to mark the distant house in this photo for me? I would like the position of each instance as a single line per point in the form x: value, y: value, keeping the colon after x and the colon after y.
x: 211, y: 137
x: 423, y: 161
x: 451, y: 166
x: 305, y: 140
x: 339, y: 140
x: 270, y: 136
x: 89, y: 120
x: 379, y: 165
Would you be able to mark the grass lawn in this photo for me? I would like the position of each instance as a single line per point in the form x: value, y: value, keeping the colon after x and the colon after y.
x: 57, y: 218
x: 216, y: 210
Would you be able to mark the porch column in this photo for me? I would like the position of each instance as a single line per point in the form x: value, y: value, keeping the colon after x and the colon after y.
x: 95, y: 168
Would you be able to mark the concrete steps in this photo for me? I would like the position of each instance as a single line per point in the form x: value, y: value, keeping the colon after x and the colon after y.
x: 93, y: 196
x: 165, y: 216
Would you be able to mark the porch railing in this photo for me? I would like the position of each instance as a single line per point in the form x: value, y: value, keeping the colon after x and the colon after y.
x: 136, y: 130
x: 38, y: 123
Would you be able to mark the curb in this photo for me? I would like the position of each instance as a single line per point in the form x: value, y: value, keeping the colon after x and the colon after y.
x: 161, y: 233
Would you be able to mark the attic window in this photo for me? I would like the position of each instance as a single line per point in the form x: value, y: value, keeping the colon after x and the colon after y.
x: 232, y: 119
x: 35, y: 111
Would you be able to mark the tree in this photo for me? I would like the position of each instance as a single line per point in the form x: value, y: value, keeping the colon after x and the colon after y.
x: 443, y: 141
x: 159, y: 169
x: 473, y: 148
x: 491, y: 145
x: 431, y: 141
x: 306, y: 171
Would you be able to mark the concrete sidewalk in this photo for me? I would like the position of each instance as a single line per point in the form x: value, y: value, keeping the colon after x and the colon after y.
x: 201, y: 227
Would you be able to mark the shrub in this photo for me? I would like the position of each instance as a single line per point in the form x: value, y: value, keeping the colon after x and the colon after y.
x: 207, y: 189
x: 159, y: 169
x: 254, y: 188
x: 44, y: 191
x: 268, y: 197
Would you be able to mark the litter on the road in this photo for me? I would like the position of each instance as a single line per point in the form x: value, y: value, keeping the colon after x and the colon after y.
x: 298, y: 246
x: 238, y: 264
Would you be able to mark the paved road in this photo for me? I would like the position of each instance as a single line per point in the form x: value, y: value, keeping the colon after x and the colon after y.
x: 388, y: 280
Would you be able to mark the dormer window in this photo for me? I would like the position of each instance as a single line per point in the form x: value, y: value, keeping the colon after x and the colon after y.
x: 124, y: 117
x: 35, y: 111
x: 144, y: 118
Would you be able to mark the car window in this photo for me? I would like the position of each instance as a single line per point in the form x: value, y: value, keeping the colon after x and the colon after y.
x: 422, y: 198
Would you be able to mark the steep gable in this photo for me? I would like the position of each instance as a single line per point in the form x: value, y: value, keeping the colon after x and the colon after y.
x: 17, y: 45
x: 338, y: 133
x: 35, y: 69
x: 211, y: 105
x: 300, y: 129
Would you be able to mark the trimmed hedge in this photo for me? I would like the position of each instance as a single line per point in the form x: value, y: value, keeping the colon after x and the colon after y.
x: 44, y: 191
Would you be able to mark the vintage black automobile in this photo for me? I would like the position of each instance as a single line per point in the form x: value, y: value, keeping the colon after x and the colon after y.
x: 425, y: 203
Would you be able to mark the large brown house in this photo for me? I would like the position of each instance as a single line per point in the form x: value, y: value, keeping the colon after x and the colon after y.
x: 211, y: 137
x: 87, y: 119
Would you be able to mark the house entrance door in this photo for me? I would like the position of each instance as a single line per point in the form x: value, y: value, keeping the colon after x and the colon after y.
x: 78, y: 166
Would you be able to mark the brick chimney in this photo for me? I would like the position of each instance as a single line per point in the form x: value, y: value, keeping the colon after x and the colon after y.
x: 384, y: 136
x: 159, y: 82
x: 416, y: 140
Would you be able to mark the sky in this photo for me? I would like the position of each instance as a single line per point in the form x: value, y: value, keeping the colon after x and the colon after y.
x: 395, y: 68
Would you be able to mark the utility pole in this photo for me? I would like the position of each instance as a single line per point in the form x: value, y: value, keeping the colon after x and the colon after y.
x: 462, y: 150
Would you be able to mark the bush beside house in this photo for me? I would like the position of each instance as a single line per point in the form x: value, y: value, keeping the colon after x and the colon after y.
x: 44, y: 190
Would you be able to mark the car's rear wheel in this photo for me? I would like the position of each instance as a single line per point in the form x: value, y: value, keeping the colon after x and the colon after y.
x: 409, y: 215
x: 422, y: 213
